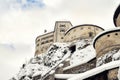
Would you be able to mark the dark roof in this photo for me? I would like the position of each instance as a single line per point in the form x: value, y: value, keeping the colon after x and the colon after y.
x: 117, y: 12
x: 104, y: 33
x: 83, y: 25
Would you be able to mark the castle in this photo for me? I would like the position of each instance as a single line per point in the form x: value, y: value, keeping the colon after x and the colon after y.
x: 104, y: 43
x: 65, y: 32
x: 104, y: 65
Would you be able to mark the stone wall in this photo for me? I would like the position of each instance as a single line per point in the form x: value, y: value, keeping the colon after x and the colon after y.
x: 43, y: 42
x: 107, y: 41
x: 105, y: 75
x: 81, y: 68
x: 112, y: 74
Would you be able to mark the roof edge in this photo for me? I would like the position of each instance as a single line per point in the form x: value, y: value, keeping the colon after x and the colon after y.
x: 83, y: 25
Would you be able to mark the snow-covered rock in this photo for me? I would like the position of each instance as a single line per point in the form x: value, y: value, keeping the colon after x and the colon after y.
x: 56, y: 53
x: 43, y: 64
x: 84, y: 52
x: 83, y: 55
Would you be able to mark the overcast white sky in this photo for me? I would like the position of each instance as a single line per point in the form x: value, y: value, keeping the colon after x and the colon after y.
x: 21, y: 21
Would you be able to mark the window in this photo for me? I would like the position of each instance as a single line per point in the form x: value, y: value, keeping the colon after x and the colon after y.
x: 62, y: 25
x: 116, y: 34
x: 62, y: 30
x: 51, y: 40
x: 38, y: 40
x: 42, y: 42
x: 61, y: 37
x: 108, y: 35
x: 90, y: 34
x: 37, y: 44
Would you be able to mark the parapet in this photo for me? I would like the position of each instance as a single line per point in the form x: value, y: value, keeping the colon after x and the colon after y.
x: 82, y: 32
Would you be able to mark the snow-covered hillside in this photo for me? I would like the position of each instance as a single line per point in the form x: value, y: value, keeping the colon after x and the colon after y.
x: 43, y: 64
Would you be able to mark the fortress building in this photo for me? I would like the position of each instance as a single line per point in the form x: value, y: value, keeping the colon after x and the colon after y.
x: 116, y: 17
x: 64, y: 32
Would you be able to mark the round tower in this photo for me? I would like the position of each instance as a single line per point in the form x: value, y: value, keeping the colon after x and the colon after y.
x: 107, y: 46
x: 82, y: 32
x: 107, y: 41
x: 116, y: 17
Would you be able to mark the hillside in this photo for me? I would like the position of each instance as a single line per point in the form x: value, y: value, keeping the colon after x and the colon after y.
x: 56, y: 54
x: 77, y: 52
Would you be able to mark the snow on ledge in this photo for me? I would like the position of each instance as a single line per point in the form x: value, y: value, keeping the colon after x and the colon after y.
x: 64, y: 76
x: 97, y: 70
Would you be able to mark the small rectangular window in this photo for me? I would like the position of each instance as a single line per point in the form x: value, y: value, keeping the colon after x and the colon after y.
x: 38, y: 40
x: 62, y: 25
x: 42, y: 43
x: 62, y: 30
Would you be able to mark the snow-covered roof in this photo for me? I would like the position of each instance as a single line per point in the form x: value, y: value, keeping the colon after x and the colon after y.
x: 104, y: 33
x: 64, y: 76
x: 97, y: 70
